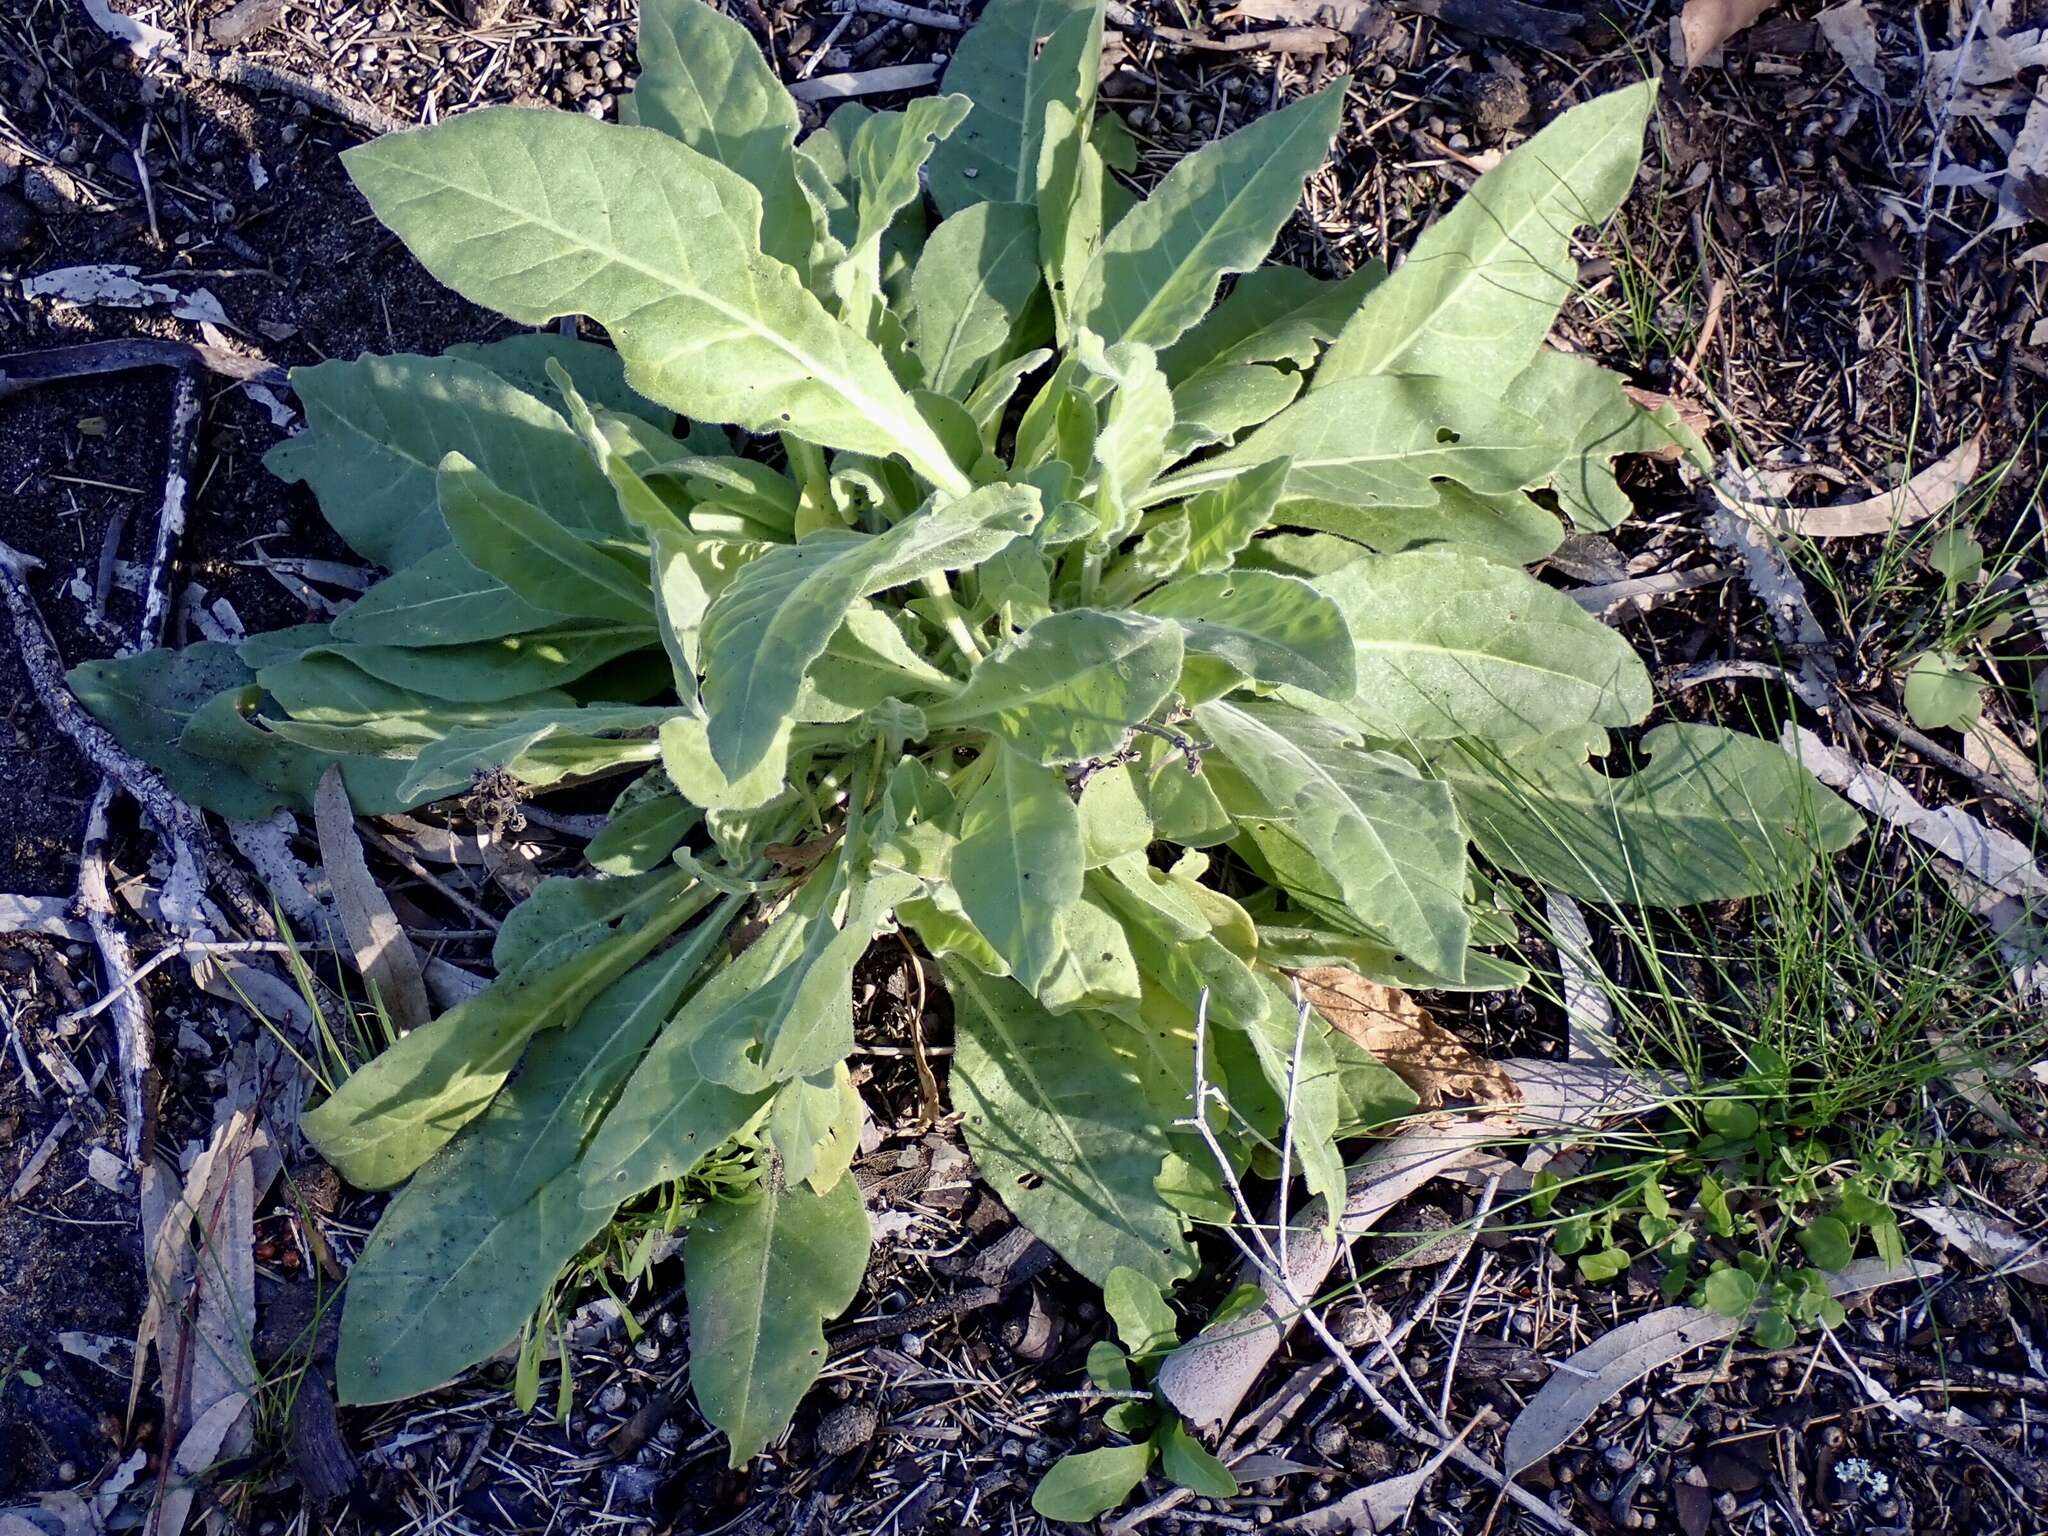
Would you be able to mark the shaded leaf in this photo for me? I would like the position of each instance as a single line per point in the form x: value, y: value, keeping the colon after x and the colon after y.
x: 1448, y: 644
x: 377, y: 430
x: 1711, y: 815
x: 400, y: 1108
x: 1059, y: 1128
x: 1389, y: 837
x: 763, y: 1276
x: 533, y: 554
x: 1018, y: 864
x: 467, y: 1251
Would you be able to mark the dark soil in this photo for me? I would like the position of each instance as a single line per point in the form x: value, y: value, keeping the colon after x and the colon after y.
x: 1774, y: 181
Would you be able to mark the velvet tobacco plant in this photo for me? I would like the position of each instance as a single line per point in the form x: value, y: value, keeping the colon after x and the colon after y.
x: 937, y: 552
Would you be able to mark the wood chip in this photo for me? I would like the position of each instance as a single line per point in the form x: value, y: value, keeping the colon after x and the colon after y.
x: 1399, y: 1031
x: 383, y: 953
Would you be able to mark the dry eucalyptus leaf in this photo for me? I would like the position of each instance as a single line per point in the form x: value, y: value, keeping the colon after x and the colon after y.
x: 1928, y: 494
x: 383, y: 953
x: 1618, y: 1359
x: 1988, y: 1241
x: 1399, y: 1031
x: 1851, y: 31
x: 1704, y: 25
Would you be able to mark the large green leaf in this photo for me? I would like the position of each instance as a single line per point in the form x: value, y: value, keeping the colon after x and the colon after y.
x: 1587, y: 408
x: 1508, y: 527
x: 598, y: 371
x: 400, y: 1108
x: 764, y: 1274
x: 1266, y: 627
x: 223, y: 730
x: 1070, y: 687
x: 377, y: 430
x: 1449, y: 644
x: 646, y: 824
x: 1216, y: 212
x: 658, y: 1129
x: 549, y: 565
x: 1084, y: 1484
x: 977, y: 274
x: 1018, y: 56
x: 540, y: 746
x: 1482, y: 285
x: 1273, y: 315
x: 487, y: 671
x: 799, y: 1023
x: 1059, y: 1127
x: 774, y: 617
x: 1711, y: 815
x: 1387, y: 835
x: 467, y: 1251
x: 440, y: 599
x: 148, y: 699
x: 703, y: 80
x: 888, y: 153
x: 1378, y: 441
x: 1018, y: 863
x: 504, y: 205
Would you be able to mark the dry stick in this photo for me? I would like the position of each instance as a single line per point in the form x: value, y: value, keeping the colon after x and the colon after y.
x: 134, y: 1039
x: 173, y: 817
x: 1280, y: 1284
x: 23, y: 370
x: 134, y: 1036
x: 227, y: 69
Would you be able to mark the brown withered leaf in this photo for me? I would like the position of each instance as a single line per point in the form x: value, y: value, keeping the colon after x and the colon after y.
x: 1706, y: 24
x: 1406, y: 1040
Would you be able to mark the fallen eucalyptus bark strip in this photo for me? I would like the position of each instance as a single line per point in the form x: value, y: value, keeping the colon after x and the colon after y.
x: 20, y: 371
x: 1208, y: 1377
x: 177, y: 820
x: 1623, y: 1356
x: 383, y: 954
x: 181, y: 447
x: 867, y: 82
